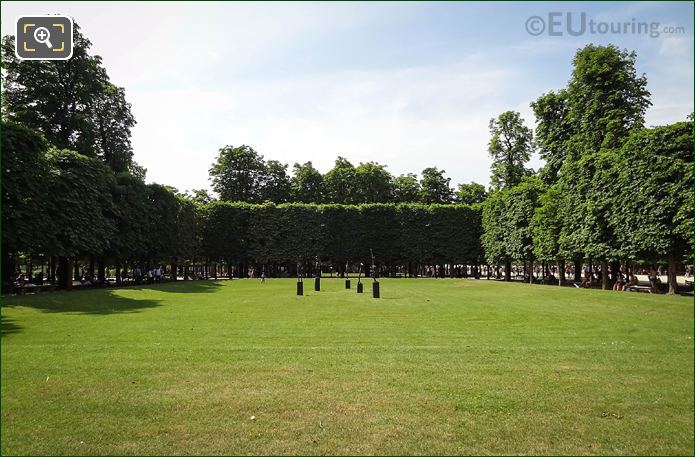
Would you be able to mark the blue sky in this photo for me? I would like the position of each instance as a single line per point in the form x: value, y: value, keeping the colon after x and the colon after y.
x: 409, y: 85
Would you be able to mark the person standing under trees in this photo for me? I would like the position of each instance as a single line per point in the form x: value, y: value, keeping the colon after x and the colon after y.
x: 263, y: 277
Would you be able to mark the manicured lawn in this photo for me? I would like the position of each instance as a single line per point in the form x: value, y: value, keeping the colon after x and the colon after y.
x: 434, y: 367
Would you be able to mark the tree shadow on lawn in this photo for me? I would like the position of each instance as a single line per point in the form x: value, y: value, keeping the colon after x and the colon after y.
x: 180, y: 286
x: 8, y: 326
x: 104, y: 301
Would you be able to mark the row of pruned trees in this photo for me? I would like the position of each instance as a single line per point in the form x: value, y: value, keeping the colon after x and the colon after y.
x: 402, y: 237
x: 61, y: 207
x: 612, y: 191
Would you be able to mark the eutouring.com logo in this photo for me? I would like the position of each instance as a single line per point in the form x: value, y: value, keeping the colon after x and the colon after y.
x: 576, y: 24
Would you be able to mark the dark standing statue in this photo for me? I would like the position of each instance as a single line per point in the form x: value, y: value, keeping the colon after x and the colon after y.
x: 375, y: 285
x: 300, y: 283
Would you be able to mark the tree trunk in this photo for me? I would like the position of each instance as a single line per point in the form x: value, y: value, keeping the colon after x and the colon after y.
x: 101, y: 271
x: 7, y: 270
x: 530, y: 271
x: 672, y: 278
x: 560, y: 272
x: 577, y: 271
x: 118, y: 273
x: 508, y: 270
x: 65, y: 273
x: 605, y: 280
x: 91, y: 268
x: 76, y: 274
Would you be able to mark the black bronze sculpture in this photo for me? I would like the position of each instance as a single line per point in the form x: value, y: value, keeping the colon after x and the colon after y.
x: 300, y: 283
x: 375, y: 284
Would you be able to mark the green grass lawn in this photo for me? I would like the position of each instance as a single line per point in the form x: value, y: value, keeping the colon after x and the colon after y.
x: 434, y: 367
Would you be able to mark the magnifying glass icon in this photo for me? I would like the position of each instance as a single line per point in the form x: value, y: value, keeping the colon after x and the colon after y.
x: 42, y: 35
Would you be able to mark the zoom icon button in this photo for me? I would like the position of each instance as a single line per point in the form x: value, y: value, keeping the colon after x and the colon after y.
x: 44, y: 38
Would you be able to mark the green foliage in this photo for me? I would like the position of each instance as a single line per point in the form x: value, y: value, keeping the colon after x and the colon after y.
x: 307, y: 184
x: 510, y: 147
x: 406, y: 189
x: 372, y: 183
x: 434, y: 186
x: 606, y: 99
x: 71, y: 102
x: 238, y: 174
x: 546, y: 226
x: 81, y: 210
x: 553, y: 131
x: 397, y: 234
x: 652, y: 214
x: 340, y: 183
x: 507, y: 221
x: 276, y: 186
x: 472, y: 193
x: 24, y: 188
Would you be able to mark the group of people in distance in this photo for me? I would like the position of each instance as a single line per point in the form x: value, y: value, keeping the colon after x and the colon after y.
x: 153, y: 275
x: 625, y: 282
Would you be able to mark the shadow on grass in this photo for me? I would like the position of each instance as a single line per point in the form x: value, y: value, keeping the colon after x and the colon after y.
x: 8, y: 326
x: 104, y: 301
x: 180, y: 286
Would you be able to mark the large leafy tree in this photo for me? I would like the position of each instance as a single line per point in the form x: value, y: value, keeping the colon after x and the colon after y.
x: 605, y: 102
x: 553, y: 131
x: 307, y: 184
x: 24, y: 193
x: 276, y: 186
x: 496, y: 230
x: 471, y: 193
x: 435, y: 187
x: 406, y: 189
x: 510, y: 147
x: 340, y: 182
x: 238, y: 174
x: 71, y: 102
x: 653, y: 211
x: 81, y: 210
x: 605, y: 98
x: 372, y: 183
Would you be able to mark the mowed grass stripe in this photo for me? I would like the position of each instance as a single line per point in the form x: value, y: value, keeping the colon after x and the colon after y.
x: 435, y: 366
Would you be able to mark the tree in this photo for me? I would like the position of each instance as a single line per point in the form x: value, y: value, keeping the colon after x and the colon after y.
x: 238, y: 174
x: 471, y: 193
x: 546, y: 226
x: 71, y: 102
x: 553, y: 131
x: 406, y: 189
x: 434, y: 187
x: 199, y: 196
x: 510, y: 147
x: 496, y: 230
x: 307, y: 184
x: 276, y: 187
x: 112, y: 121
x: 605, y: 98
x: 372, y: 183
x: 82, y: 212
x: 523, y: 201
x: 25, y: 169
x: 340, y: 183
x: 653, y: 214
